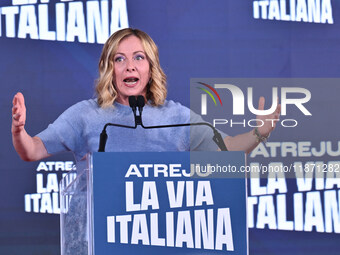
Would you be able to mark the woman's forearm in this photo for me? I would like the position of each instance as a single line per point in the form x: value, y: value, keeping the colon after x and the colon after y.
x: 29, y: 148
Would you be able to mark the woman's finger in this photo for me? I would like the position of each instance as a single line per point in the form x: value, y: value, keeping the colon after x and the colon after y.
x: 20, y: 99
x: 18, y: 110
x: 261, y: 103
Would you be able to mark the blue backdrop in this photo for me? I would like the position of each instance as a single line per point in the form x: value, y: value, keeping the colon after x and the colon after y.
x: 196, y: 38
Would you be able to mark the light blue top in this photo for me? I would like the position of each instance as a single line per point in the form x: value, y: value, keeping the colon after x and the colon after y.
x: 79, y: 127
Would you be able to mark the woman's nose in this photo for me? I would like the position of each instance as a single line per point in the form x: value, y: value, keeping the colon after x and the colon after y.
x: 130, y: 66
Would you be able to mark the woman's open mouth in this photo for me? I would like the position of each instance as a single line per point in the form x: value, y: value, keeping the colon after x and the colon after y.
x: 130, y: 81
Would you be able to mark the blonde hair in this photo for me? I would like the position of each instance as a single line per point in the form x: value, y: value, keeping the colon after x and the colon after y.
x: 105, y: 88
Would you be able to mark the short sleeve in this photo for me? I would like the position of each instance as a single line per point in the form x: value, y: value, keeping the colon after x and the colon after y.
x: 65, y: 133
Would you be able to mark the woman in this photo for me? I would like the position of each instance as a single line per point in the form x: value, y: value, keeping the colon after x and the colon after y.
x: 129, y: 65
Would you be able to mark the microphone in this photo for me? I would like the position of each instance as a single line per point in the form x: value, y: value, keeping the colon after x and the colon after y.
x: 133, y: 103
x: 140, y: 104
x: 102, y: 140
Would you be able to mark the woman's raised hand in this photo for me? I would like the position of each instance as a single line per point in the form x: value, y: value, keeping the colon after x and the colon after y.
x: 18, y: 113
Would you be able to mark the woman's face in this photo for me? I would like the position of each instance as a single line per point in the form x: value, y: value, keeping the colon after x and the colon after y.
x: 132, y: 69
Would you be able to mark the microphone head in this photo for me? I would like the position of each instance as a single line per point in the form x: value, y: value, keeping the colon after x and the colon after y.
x: 132, y: 101
x: 140, y: 101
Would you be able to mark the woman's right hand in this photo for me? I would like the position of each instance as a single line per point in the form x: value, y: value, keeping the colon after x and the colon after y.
x: 29, y: 148
x: 18, y: 113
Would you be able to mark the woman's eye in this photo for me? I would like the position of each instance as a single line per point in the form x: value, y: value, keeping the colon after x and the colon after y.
x: 119, y: 59
x: 139, y: 57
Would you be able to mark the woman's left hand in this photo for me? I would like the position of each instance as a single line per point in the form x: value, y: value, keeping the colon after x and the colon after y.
x: 269, y: 121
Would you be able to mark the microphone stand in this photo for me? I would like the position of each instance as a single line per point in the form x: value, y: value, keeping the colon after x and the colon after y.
x: 140, y: 102
x: 103, y: 135
x: 133, y: 103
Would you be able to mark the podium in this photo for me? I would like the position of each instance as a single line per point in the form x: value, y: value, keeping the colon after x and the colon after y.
x: 155, y: 203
